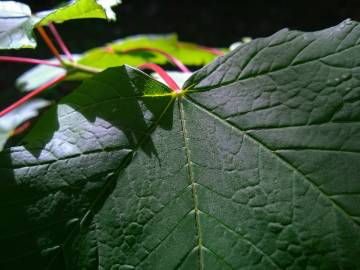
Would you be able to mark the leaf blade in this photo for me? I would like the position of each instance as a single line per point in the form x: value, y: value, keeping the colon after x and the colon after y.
x: 254, y: 166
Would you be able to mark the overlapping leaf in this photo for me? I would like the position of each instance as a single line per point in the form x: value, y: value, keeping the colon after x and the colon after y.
x: 17, y: 21
x: 253, y: 166
x: 116, y: 53
x: 80, y: 9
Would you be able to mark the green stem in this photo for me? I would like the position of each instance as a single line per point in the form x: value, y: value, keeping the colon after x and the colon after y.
x: 73, y: 66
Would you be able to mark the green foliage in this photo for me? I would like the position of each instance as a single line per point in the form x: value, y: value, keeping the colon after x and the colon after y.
x: 17, y: 21
x: 80, y: 9
x: 254, y: 165
x: 115, y: 53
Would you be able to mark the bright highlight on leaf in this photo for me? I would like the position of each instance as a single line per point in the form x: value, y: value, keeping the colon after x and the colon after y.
x: 16, y: 26
x: 80, y: 9
x: 17, y: 21
x: 40, y: 75
x: 255, y: 165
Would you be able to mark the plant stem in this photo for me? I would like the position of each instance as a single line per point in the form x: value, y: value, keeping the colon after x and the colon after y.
x: 31, y: 95
x: 163, y: 74
x: 21, y: 128
x: 60, y: 41
x: 80, y: 67
x: 28, y: 60
x: 171, y: 58
x: 212, y: 50
x: 203, y: 48
x: 49, y: 43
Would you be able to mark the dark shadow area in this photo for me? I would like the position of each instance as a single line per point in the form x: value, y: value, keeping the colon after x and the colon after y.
x: 20, y: 238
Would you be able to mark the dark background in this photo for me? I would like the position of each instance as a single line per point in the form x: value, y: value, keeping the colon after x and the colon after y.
x: 209, y: 22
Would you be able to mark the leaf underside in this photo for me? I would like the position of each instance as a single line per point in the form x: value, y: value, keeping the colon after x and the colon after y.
x: 254, y: 166
x: 17, y: 21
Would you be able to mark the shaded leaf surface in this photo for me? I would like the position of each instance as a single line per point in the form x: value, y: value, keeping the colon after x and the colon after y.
x: 254, y: 166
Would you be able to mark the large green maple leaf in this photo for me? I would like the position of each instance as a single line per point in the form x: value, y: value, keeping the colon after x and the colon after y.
x: 255, y: 165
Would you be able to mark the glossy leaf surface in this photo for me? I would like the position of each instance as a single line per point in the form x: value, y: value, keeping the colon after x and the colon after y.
x: 253, y: 166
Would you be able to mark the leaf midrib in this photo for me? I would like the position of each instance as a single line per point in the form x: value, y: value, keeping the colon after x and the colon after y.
x: 192, y: 183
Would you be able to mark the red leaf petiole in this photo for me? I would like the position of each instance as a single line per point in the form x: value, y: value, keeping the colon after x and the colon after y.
x: 28, y: 60
x: 49, y: 43
x: 211, y: 50
x: 21, y: 128
x: 31, y: 95
x: 163, y: 74
x: 171, y: 58
x: 60, y: 41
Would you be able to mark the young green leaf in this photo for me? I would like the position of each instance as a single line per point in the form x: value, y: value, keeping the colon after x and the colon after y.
x: 255, y: 165
x: 17, y: 21
x: 80, y: 9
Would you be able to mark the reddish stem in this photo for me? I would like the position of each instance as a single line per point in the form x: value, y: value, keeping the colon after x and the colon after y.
x: 49, y: 43
x: 28, y: 60
x: 31, y: 95
x: 60, y: 41
x: 21, y: 128
x: 171, y: 58
x: 205, y: 48
x: 212, y: 50
x: 163, y: 74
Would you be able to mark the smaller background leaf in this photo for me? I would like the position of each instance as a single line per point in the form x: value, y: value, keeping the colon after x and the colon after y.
x: 40, y: 75
x: 80, y: 9
x: 112, y: 55
x: 16, y: 25
x: 18, y: 116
